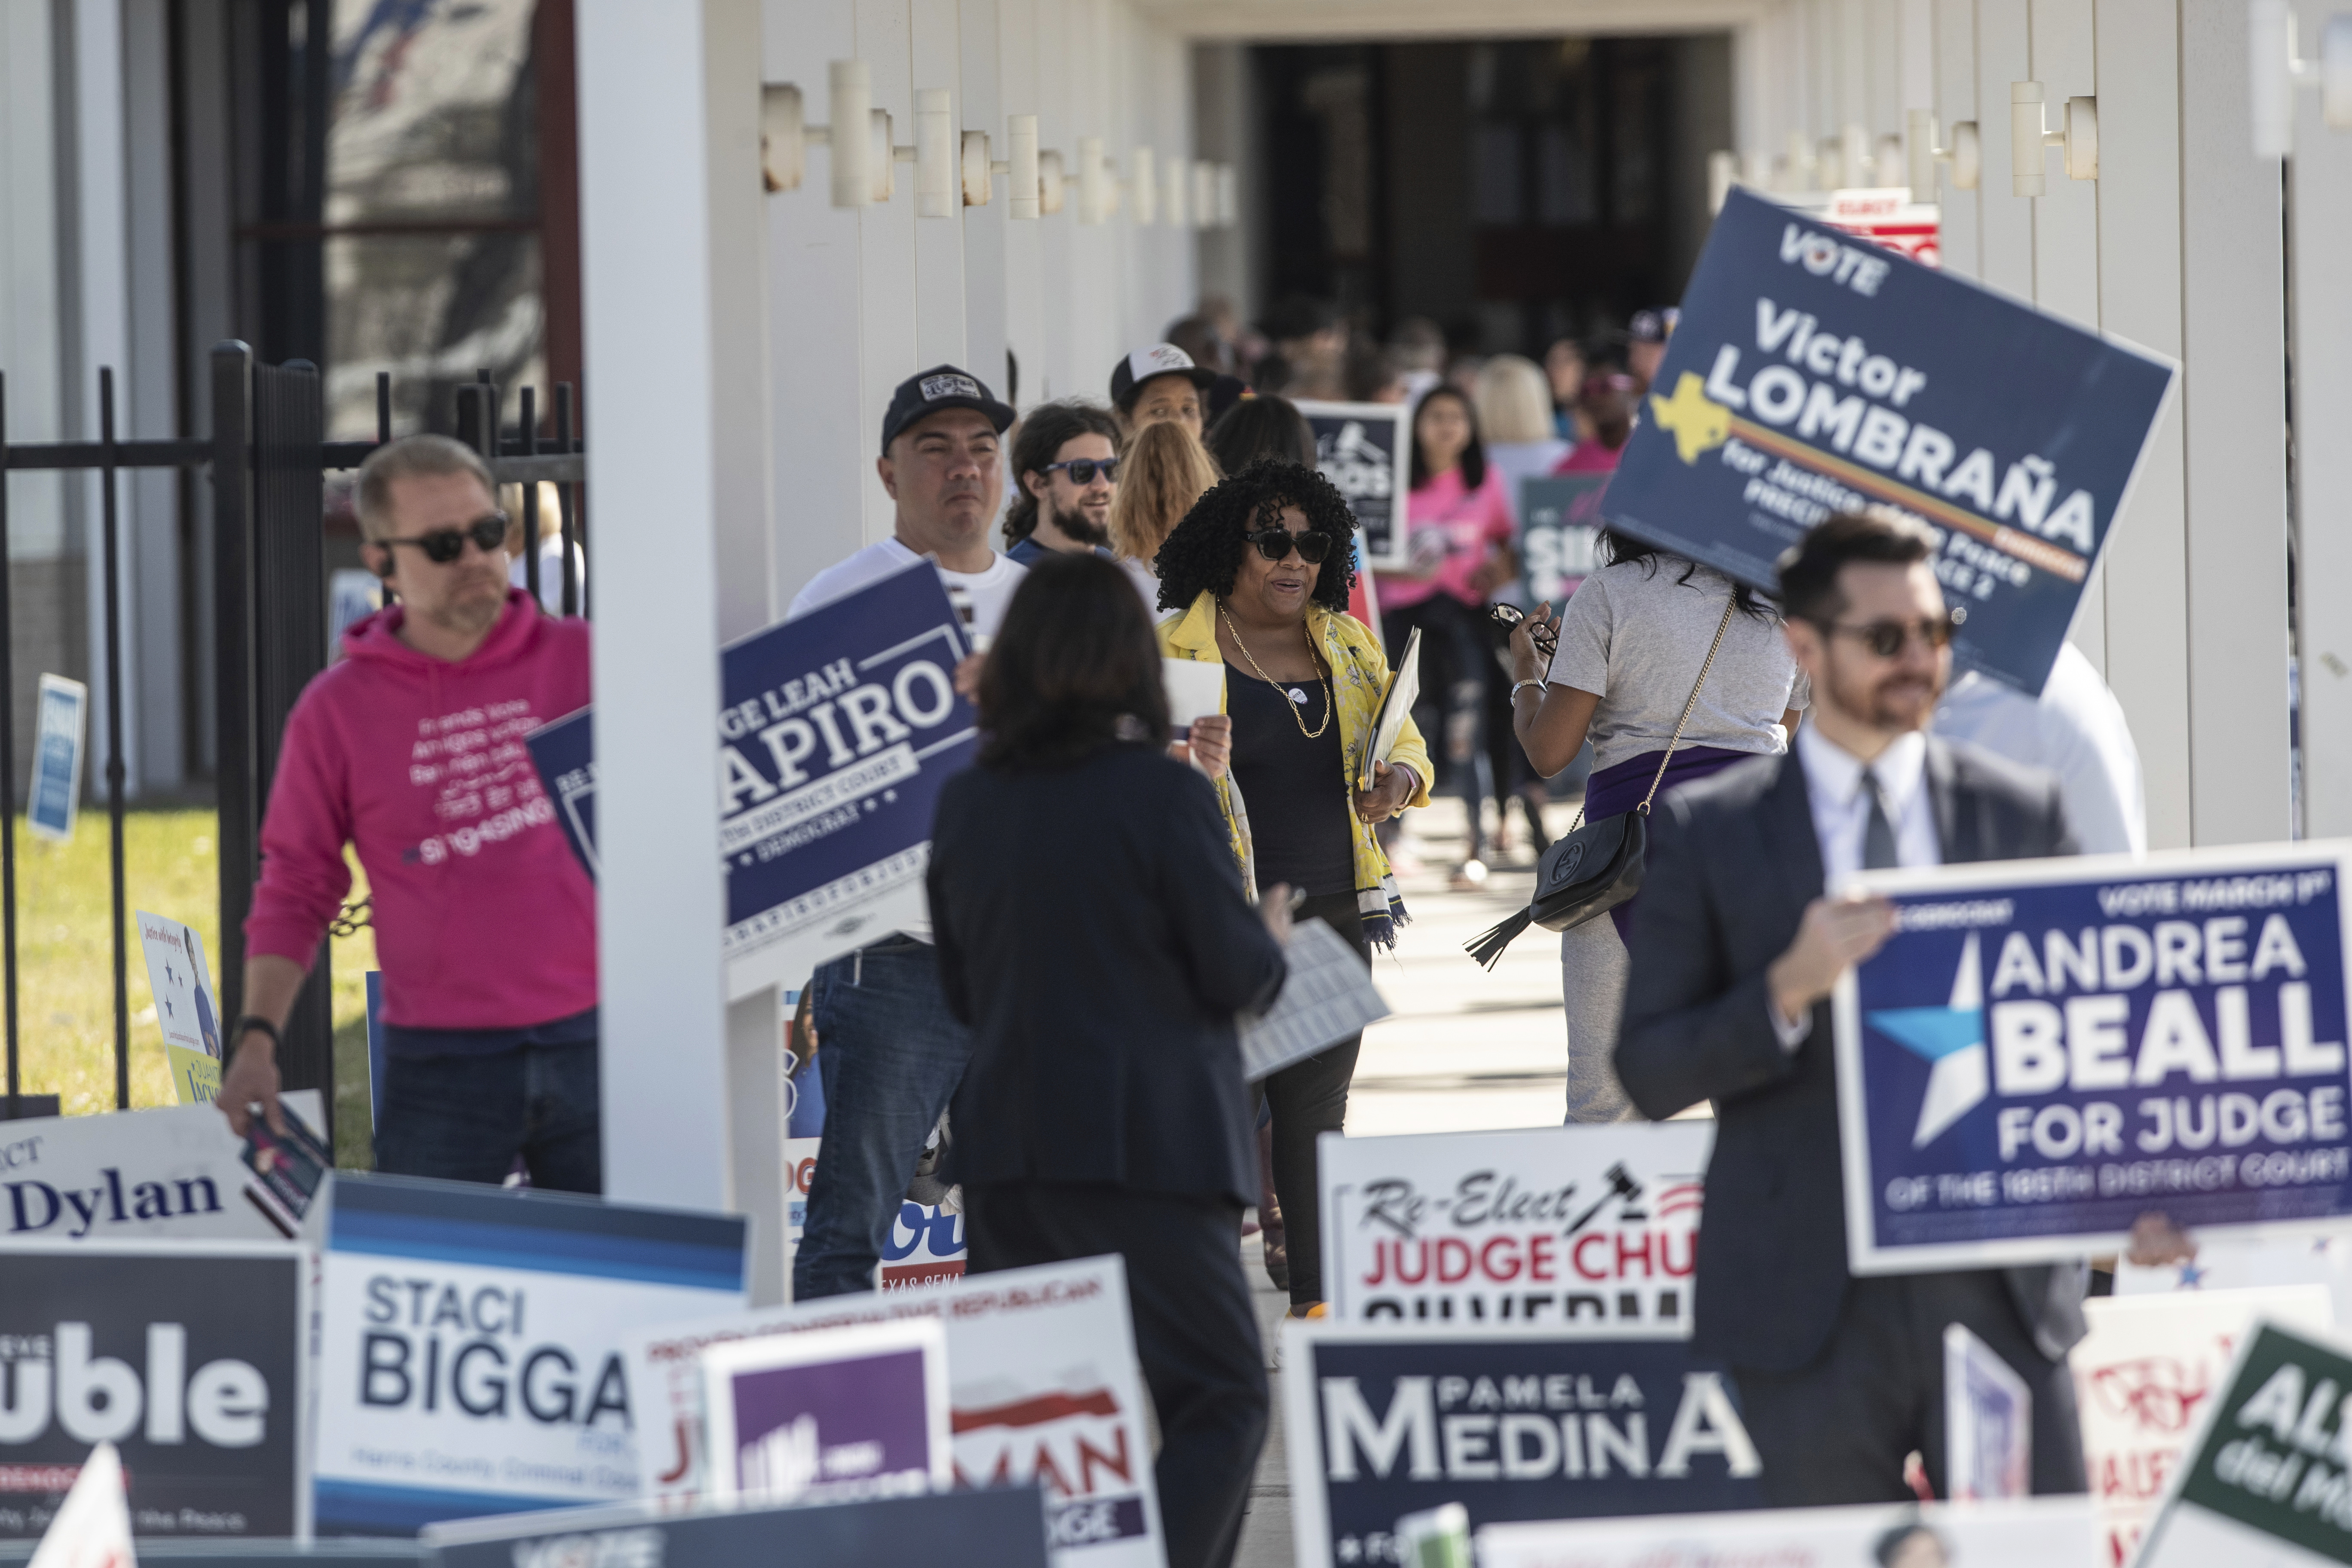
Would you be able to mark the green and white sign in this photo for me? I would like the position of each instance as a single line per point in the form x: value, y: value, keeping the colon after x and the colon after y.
x: 2269, y: 1480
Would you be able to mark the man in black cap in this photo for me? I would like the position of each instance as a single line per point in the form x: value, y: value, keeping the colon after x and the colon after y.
x: 889, y: 1051
x: 1645, y: 343
x: 1161, y: 382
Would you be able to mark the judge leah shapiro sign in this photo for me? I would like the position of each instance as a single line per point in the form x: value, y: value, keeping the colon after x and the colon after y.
x: 2047, y: 1049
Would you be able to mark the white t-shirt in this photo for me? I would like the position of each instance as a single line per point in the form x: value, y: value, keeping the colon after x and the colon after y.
x: 2077, y: 730
x: 981, y: 595
x: 1637, y: 636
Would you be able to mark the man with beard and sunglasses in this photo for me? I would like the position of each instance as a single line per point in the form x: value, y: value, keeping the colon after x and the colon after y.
x: 410, y: 750
x: 1065, y: 463
x: 1739, y: 936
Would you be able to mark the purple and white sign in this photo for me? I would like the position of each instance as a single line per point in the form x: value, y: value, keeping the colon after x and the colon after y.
x: 832, y: 1415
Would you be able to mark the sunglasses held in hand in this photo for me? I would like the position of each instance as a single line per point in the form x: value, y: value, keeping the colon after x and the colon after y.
x: 444, y: 545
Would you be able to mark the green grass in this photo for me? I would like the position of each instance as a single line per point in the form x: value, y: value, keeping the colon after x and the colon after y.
x: 65, y: 985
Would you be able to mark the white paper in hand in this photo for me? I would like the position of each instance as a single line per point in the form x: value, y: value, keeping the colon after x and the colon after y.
x: 1196, y: 688
x: 1396, y: 707
x: 1329, y: 996
x: 92, y: 1529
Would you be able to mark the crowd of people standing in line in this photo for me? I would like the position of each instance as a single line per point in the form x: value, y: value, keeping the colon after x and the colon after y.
x: 1077, y: 1009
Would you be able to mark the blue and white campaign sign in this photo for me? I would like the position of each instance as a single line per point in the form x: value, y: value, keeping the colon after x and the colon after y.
x: 1365, y: 449
x: 2047, y: 1049
x: 472, y: 1345
x: 1560, y: 535
x: 838, y: 728
x: 1511, y: 1423
x: 1815, y: 373
x: 58, y: 732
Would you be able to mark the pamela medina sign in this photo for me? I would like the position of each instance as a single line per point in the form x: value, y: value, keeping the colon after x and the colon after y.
x: 189, y: 1358
x: 1044, y: 1387
x: 472, y: 1345
x: 2268, y: 1478
x: 2047, y: 1049
x: 1512, y: 1423
x: 1815, y: 372
x: 836, y: 730
x: 1588, y: 1230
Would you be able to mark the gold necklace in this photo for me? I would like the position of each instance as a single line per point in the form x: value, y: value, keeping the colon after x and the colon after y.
x: 1296, y: 718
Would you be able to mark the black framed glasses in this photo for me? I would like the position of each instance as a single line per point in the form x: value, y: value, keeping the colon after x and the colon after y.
x: 1276, y: 543
x: 443, y: 545
x: 1082, y: 470
x: 1888, y: 638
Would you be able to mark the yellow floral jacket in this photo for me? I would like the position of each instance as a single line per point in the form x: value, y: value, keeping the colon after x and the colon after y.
x: 1360, y: 673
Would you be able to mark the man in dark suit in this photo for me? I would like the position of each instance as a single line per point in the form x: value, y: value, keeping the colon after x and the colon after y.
x: 1734, y: 950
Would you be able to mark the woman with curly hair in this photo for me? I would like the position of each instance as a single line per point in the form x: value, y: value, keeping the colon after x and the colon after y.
x: 1258, y: 573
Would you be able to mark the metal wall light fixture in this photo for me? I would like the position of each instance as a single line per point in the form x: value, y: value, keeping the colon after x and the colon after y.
x: 1965, y: 155
x: 2279, y: 68
x: 2028, y: 134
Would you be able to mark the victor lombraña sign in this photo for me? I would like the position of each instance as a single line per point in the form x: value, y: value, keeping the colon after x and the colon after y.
x: 1365, y: 450
x: 2268, y: 1478
x: 1815, y: 373
x: 1044, y: 1386
x: 1587, y: 1230
x: 2047, y: 1049
x: 190, y: 1359
x: 1513, y: 1424
x: 471, y: 1345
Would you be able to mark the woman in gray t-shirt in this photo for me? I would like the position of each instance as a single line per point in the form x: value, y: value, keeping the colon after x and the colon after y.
x: 1632, y: 640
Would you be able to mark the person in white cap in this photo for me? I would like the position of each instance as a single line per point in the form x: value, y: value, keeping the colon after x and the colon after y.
x: 1161, y: 382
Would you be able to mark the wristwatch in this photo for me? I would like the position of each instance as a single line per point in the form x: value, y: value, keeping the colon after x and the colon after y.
x: 1517, y: 684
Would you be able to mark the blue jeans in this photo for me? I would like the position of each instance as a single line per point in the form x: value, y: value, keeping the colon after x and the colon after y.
x: 465, y: 1118
x: 890, y: 1055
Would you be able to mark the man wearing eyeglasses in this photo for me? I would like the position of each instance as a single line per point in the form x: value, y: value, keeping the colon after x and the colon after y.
x: 1734, y: 950
x: 410, y: 750
x: 1065, y: 463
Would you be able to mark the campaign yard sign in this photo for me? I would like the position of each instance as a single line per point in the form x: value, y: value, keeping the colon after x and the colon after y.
x: 1560, y: 535
x: 2045, y: 1050
x: 1044, y: 1386
x: 471, y: 1345
x: 58, y: 736
x: 1582, y: 1230
x: 2040, y: 1532
x: 2268, y: 1478
x: 1511, y: 1423
x: 191, y: 1359
x: 565, y: 752
x: 1365, y: 449
x: 187, y: 1009
x: 1815, y: 372
x: 997, y: 1529
x: 2145, y: 1373
x: 171, y: 1174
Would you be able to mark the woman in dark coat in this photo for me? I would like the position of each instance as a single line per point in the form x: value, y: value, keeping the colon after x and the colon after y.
x: 1092, y: 931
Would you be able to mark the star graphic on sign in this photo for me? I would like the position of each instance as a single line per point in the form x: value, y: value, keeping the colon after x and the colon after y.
x: 1698, y: 423
x: 890, y: 795
x: 1951, y: 1038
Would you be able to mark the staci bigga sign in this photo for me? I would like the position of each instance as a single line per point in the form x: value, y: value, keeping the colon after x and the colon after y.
x: 2047, y: 1049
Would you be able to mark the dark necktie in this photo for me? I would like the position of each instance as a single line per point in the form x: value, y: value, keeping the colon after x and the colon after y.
x: 1878, y: 835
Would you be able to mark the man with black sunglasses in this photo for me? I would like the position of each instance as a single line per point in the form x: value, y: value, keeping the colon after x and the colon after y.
x: 1066, y: 467
x: 410, y: 750
x: 1739, y: 938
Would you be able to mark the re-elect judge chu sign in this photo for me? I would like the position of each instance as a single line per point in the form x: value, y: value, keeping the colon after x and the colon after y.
x: 2047, y: 1049
x: 1815, y: 372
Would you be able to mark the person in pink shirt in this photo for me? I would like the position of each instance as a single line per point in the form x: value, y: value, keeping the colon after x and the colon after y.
x: 1606, y: 405
x: 410, y: 749
x: 1459, y: 521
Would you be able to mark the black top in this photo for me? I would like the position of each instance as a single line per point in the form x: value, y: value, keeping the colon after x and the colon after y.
x: 1091, y: 930
x: 1296, y: 789
x: 1733, y: 861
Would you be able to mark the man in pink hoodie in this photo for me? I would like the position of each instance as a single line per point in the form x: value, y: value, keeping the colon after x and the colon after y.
x: 410, y: 749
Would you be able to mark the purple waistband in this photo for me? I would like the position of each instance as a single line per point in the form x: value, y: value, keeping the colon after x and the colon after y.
x: 1624, y: 786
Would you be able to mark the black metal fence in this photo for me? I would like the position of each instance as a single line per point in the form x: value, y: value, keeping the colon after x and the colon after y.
x: 268, y: 459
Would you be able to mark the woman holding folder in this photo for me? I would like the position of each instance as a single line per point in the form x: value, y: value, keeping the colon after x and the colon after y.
x: 1259, y: 573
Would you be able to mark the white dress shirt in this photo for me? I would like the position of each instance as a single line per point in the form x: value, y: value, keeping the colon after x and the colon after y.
x: 1841, y: 817
x: 2077, y: 730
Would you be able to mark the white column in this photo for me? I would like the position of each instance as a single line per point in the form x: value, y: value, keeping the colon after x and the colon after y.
x: 1024, y: 269
x: 935, y: 55
x: 2004, y: 220
x: 2235, y: 348
x: 981, y: 106
x: 1955, y: 100
x: 891, y: 350
x: 669, y: 204
x: 2320, y: 234
x: 2147, y: 561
